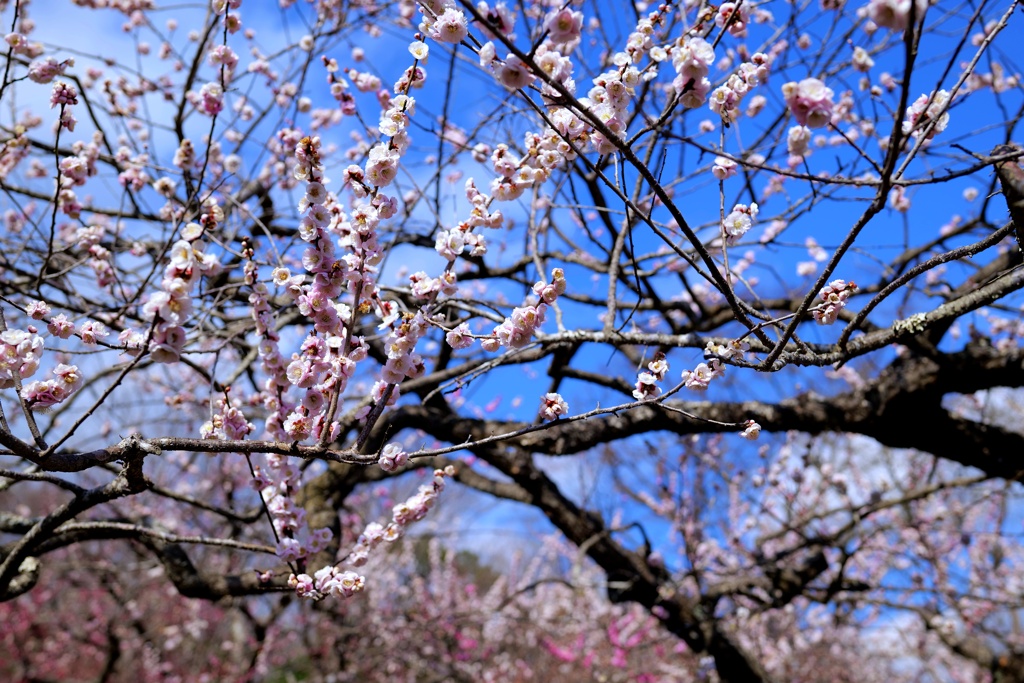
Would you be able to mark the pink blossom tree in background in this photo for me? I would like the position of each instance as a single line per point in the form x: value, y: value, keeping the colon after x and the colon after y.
x: 358, y: 341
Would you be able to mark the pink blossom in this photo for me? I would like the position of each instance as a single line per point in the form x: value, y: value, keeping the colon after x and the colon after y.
x: 499, y: 18
x: 564, y: 25
x: 899, y: 200
x: 737, y: 24
x: 798, y: 140
x: 382, y: 165
x: 450, y: 243
x: 392, y: 457
x: 91, y: 332
x: 862, y: 61
x: 48, y: 68
x: 222, y: 55
x: 751, y: 430
x: 63, y: 94
x: 44, y: 394
x: 450, y: 26
x: 700, y: 377
x: 60, y: 326
x: 37, y: 310
x: 552, y: 406
x: 20, y: 353
x: 646, y: 387
x: 833, y: 297
x: 739, y: 221
x: 167, y: 343
x: 810, y: 101
x: 894, y: 14
x: 723, y: 168
x: 692, y: 62
x: 459, y: 337
x: 514, y: 73
x: 548, y: 293
x: 211, y: 99
x: 927, y: 110
x: 297, y: 425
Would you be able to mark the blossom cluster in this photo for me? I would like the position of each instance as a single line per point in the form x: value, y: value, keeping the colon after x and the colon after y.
x: 169, y: 308
x: 22, y: 350
x: 133, y: 175
x: 19, y: 44
x: 452, y: 243
x: 224, y: 57
x: 326, y: 581
x: 833, y: 297
x: 328, y: 357
x: 564, y: 27
x: 277, y: 483
x: 392, y: 457
x: 20, y: 353
x: 64, y: 95
x: 726, y: 98
x: 798, y: 142
x: 607, y: 101
x: 382, y: 162
x: 227, y: 421
x: 271, y: 359
x: 810, y: 101
x: 318, y: 368
x: 517, y: 330
x: 43, y: 394
x: 927, y: 110
x: 444, y: 22
x: 403, y: 361
x: 516, y: 175
x: 403, y: 514
x: 614, y: 89
x: 646, y: 387
x: 331, y: 580
x: 321, y: 367
x: 498, y: 20
x: 209, y: 100
x: 734, y: 349
x: 692, y: 57
x: 701, y: 376
x: 75, y: 169
x: 734, y: 18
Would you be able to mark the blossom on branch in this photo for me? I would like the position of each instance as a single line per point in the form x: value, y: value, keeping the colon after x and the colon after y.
x: 810, y: 101
x: 739, y: 221
x: 894, y: 14
x: 392, y: 457
x: 751, y: 430
x: 692, y: 58
x: 552, y: 407
x: 40, y: 395
x: 927, y: 110
x: 700, y: 377
x: 449, y: 27
x: 833, y: 297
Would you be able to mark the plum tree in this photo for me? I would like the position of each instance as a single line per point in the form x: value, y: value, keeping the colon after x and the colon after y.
x: 720, y: 301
